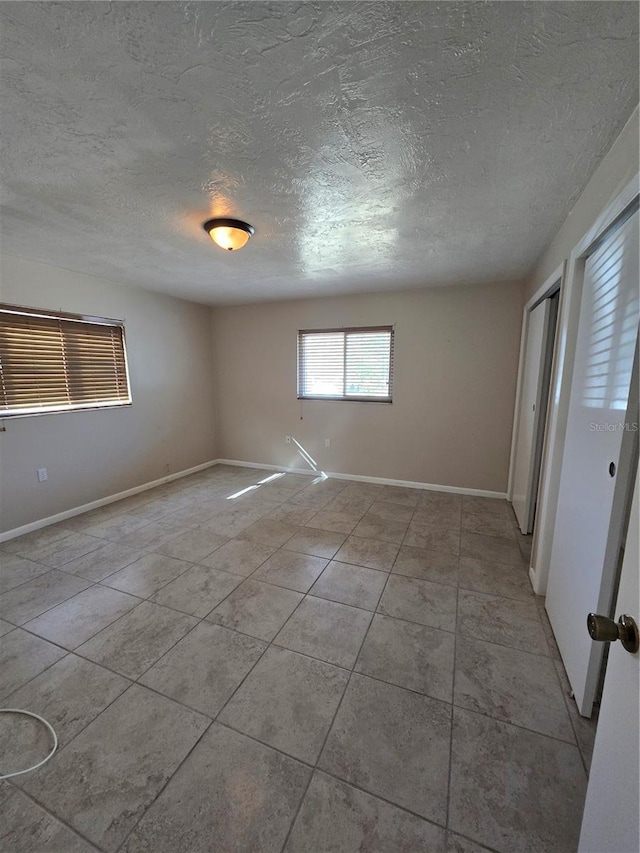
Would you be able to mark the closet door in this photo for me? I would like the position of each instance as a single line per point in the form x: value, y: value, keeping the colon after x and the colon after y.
x: 597, y: 460
x: 531, y: 410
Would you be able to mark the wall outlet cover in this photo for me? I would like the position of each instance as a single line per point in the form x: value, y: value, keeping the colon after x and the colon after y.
x: 42, y: 475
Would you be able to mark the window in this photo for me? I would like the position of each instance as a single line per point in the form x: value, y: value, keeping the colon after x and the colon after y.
x: 53, y: 362
x: 345, y: 364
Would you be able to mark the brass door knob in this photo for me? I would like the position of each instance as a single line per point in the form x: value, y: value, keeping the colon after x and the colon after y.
x: 607, y: 631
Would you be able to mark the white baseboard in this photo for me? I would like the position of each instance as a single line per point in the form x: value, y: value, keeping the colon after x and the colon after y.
x: 78, y: 510
x: 409, y: 484
x: 240, y: 464
x: 535, y: 582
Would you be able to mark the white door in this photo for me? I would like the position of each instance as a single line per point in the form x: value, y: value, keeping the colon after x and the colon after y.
x: 610, y: 819
x: 531, y: 408
x: 584, y: 555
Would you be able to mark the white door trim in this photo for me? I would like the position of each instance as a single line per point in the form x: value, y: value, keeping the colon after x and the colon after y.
x: 564, y: 356
x: 549, y: 287
x: 610, y: 820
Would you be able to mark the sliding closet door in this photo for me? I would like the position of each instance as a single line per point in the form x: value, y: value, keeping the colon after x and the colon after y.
x: 531, y: 411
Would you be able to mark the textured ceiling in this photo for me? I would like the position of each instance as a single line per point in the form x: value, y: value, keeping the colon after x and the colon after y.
x: 372, y: 145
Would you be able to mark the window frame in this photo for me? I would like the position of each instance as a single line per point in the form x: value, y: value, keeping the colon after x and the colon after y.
x: 347, y: 398
x: 57, y: 408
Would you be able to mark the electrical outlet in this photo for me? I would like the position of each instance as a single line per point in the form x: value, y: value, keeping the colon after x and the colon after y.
x: 42, y: 475
x: 327, y: 442
x: 287, y: 439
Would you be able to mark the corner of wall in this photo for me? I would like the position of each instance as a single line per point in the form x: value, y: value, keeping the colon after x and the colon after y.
x: 213, y: 311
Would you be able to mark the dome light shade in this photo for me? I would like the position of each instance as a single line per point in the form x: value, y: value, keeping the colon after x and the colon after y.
x: 228, y: 233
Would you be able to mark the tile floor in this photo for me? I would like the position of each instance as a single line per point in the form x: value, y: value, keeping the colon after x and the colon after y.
x: 292, y: 665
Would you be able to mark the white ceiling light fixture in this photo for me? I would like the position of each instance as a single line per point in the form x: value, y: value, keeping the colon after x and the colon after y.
x: 229, y: 233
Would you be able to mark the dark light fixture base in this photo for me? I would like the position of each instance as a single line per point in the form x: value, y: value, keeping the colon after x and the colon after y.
x: 224, y: 222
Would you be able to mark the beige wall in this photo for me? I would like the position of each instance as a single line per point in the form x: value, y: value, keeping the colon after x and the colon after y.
x: 456, y: 357
x: 92, y: 454
x: 619, y: 166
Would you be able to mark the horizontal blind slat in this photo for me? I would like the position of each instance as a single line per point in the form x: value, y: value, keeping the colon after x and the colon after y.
x: 354, y: 363
x: 53, y: 363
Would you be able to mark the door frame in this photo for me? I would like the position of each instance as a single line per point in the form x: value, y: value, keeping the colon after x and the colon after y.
x: 612, y: 791
x: 551, y: 286
x: 561, y: 376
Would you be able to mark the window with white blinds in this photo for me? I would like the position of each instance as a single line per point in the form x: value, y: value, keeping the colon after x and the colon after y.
x: 346, y: 364
x: 54, y: 362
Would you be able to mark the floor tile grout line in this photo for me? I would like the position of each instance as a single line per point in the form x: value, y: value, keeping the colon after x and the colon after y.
x: 326, y: 737
x: 519, y: 726
x: 276, y: 645
x: 337, y: 601
x: 171, y: 647
x: 360, y: 565
x: 156, y: 550
x: 46, y: 570
x: 382, y: 798
x: 93, y: 585
x: 118, y: 619
x: 311, y: 775
x: 468, y: 588
x: 453, y: 696
x: 172, y: 699
x: 537, y: 618
x: 92, y: 581
x: 162, y: 789
x: 316, y: 767
x: 269, y: 645
x: 76, y: 649
x: 567, y: 698
x: 164, y: 606
x: 475, y: 637
x: 6, y: 696
x: 115, y: 571
x: 475, y: 842
x: 99, y: 544
x: 388, y: 572
x: 131, y: 683
x: 53, y: 642
x: 313, y: 767
x: 53, y: 606
x: 375, y: 612
x: 379, y: 612
x: 61, y: 749
x: 201, y: 619
x: 71, y: 530
x: 156, y: 591
x: 146, y: 524
x: 218, y: 604
x: 65, y: 535
x: 129, y: 678
x: 83, y: 532
x: 289, y: 617
x: 58, y: 819
x: 256, y: 739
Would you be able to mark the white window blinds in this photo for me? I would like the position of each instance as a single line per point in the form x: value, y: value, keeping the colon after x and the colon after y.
x: 54, y: 362
x: 346, y: 364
